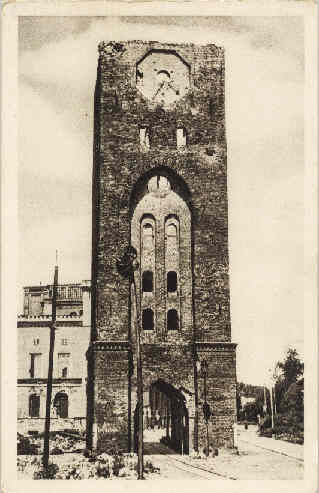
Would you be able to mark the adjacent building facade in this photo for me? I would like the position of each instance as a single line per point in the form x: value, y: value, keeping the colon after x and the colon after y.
x: 160, y: 185
x: 70, y: 366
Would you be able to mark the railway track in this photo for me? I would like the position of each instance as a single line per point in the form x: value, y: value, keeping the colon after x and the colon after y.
x: 170, y: 463
x: 198, y: 470
x: 182, y: 467
x: 271, y: 451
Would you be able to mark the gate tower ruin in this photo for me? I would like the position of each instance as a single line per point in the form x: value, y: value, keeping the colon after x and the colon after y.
x: 160, y: 185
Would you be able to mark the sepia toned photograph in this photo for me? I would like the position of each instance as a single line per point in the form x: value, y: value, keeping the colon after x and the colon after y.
x: 160, y: 279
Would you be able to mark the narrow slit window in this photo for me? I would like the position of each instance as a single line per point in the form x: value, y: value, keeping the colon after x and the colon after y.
x: 147, y: 282
x: 171, y: 282
x: 144, y: 138
x: 172, y: 320
x: 64, y: 372
x: 181, y: 137
x: 148, y: 319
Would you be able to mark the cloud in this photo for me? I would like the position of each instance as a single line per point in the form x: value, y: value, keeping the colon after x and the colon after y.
x: 263, y: 90
x: 72, y: 240
x: 264, y: 124
x: 48, y: 144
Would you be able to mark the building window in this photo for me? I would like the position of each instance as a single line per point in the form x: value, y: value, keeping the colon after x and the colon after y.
x: 147, y: 281
x: 148, y: 319
x: 181, y: 137
x: 64, y: 342
x: 35, y: 365
x: 36, y: 341
x: 34, y: 406
x: 61, y: 404
x: 144, y: 138
x: 172, y: 320
x: 63, y: 364
x: 171, y: 282
x: 148, y: 236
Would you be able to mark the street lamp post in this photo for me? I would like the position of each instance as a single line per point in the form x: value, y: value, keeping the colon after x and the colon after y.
x: 127, y: 266
x: 203, y: 367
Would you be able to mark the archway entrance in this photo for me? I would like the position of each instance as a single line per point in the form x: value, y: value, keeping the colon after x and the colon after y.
x: 61, y: 404
x: 166, y: 418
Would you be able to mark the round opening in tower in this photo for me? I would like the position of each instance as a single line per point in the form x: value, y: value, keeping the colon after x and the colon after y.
x: 163, y: 76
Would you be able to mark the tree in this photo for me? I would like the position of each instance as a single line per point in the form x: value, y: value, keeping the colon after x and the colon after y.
x: 292, y: 368
x: 289, y: 392
x: 286, y: 373
x: 251, y: 411
x: 294, y: 401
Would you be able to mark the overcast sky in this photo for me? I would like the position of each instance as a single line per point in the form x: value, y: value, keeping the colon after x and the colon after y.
x: 264, y: 123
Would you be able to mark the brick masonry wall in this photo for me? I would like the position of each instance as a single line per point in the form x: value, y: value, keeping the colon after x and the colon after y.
x: 121, y: 169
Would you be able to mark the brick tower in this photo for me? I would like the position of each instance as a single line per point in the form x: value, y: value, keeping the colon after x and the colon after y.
x: 160, y: 185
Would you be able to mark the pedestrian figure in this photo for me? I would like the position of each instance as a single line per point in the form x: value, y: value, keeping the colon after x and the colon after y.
x: 258, y: 420
x: 147, y: 420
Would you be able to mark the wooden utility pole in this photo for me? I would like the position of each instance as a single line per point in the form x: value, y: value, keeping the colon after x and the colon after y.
x: 271, y: 400
x: 272, y: 408
x: 46, y: 447
x: 265, y: 401
x: 126, y: 266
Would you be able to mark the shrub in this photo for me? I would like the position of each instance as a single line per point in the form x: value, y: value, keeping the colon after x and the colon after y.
x: 150, y: 468
x: 265, y: 423
x: 25, y: 447
x: 103, y: 470
x: 118, y: 463
x: 56, y: 451
x: 267, y: 432
x: 47, y: 473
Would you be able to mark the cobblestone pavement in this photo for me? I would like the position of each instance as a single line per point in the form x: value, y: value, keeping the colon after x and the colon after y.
x: 174, y: 466
x: 293, y: 450
x: 254, y: 460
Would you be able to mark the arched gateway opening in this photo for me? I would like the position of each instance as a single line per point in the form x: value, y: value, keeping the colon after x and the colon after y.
x: 166, y: 419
